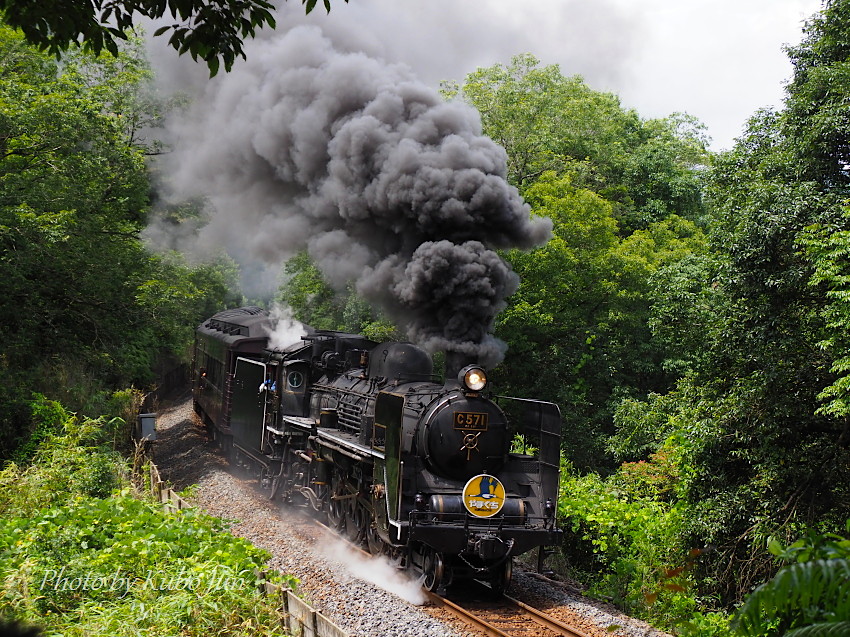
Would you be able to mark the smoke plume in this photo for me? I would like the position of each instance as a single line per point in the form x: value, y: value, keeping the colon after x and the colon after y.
x: 385, y: 184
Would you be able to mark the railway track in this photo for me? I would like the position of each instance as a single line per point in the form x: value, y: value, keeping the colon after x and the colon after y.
x: 500, y: 616
x: 505, y: 616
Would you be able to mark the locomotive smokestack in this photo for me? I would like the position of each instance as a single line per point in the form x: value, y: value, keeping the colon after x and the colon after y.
x: 310, y: 146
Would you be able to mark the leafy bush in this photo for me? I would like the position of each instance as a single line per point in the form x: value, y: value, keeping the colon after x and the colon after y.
x: 655, y: 478
x: 628, y: 546
x: 121, y: 566
x: 80, y: 557
x: 78, y: 460
x: 809, y: 597
x: 47, y: 418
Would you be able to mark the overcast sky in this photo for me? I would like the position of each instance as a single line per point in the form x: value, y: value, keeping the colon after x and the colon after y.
x: 718, y: 60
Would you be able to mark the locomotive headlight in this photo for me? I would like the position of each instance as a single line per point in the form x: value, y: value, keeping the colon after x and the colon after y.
x: 473, y: 378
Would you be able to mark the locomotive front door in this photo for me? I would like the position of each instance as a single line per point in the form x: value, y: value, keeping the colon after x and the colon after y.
x: 248, y: 414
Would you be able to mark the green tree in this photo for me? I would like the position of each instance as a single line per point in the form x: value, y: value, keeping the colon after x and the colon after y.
x: 828, y: 246
x: 549, y: 122
x: 316, y: 304
x: 71, y: 191
x: 86, y: 307
x: 762, y: 453
x: 582, y: 309
x: 212, y: 30
x: 817, y: 114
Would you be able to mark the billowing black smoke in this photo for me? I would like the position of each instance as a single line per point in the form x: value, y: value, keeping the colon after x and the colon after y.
x: 383, y: 182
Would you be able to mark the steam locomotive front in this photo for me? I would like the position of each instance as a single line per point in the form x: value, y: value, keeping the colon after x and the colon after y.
x: 462, y: 434
x: 476, y: 504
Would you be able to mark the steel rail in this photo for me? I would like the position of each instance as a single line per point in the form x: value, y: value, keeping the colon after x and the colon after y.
x: 543, y: 619
x: 465, y: 615
x: 469, y: 617
x: 556, y: 626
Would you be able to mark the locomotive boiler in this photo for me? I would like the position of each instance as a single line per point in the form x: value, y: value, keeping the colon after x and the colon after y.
x: 439, y: 475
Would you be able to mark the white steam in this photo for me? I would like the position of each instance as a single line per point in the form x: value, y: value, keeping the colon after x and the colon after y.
x: 286, y: 329
x: 376, y: 570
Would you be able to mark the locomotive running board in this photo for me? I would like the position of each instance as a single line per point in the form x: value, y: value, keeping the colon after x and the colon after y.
x: 339, y: 438
x: 330, y: 436
x: 305, y: 424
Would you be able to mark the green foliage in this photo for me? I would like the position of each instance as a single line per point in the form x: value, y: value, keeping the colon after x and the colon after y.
x: 309, y: 5
x: 630, y: 546
x: 521, y: 444
x: 48, y: 417
x: 86, y: 308
x: 817, y: 114
x: 828, y: 246
x: 177, y: 296
x: 702, y: 624
x: 760, y: 322
x: 641, y: 426
x: 809, y: 592
x: 75, y: 457
x: 548, y: 122
x: 78, y: 556
x: 316, y: 304
x: 814, y: 545
x: 582, y: 310
x: 683, y: 314
x: 837, y: 629
x: 655, y: 478
x: 808, y: 597
x: 71, y: 193
x: 312, y: 300
x: 120, y: 566
x: 212, y: 31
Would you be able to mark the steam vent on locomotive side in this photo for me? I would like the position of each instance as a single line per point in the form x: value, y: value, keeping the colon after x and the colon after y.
x: 440, y: 476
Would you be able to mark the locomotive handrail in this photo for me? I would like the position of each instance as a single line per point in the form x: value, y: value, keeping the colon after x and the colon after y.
x: 341, y: 390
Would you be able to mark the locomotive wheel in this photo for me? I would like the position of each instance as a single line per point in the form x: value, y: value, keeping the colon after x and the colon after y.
x: 434, y: 570
x: 500, y: 577
x: 373, y: 540
x: 336, y: 514
x: 356, y: 523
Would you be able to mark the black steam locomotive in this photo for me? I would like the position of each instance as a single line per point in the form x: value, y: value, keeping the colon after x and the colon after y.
x: 437, y: 475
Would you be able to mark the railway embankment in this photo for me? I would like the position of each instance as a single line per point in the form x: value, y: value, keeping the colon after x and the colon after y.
x: 364, y: 597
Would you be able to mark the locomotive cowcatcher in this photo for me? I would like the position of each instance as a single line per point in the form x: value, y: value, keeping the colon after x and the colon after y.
x: 440, y: 476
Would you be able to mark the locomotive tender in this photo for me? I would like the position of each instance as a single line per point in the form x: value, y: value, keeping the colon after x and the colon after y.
x: 436, y: 475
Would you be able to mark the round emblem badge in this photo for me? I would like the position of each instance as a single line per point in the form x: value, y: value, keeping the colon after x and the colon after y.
x: 484, y: 496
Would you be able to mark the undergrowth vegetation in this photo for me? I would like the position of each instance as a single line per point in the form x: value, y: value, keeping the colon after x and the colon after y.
x: 623, y: 541
x: 83, y: 553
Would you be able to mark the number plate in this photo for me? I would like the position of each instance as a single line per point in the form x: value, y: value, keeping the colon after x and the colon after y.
x: 471, y: 420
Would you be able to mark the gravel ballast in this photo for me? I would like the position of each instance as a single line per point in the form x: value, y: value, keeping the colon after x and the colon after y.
x: 366, y: 597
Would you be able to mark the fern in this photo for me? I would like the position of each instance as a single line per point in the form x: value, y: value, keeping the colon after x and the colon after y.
x: 835, y: 629
x: 807, y: 593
